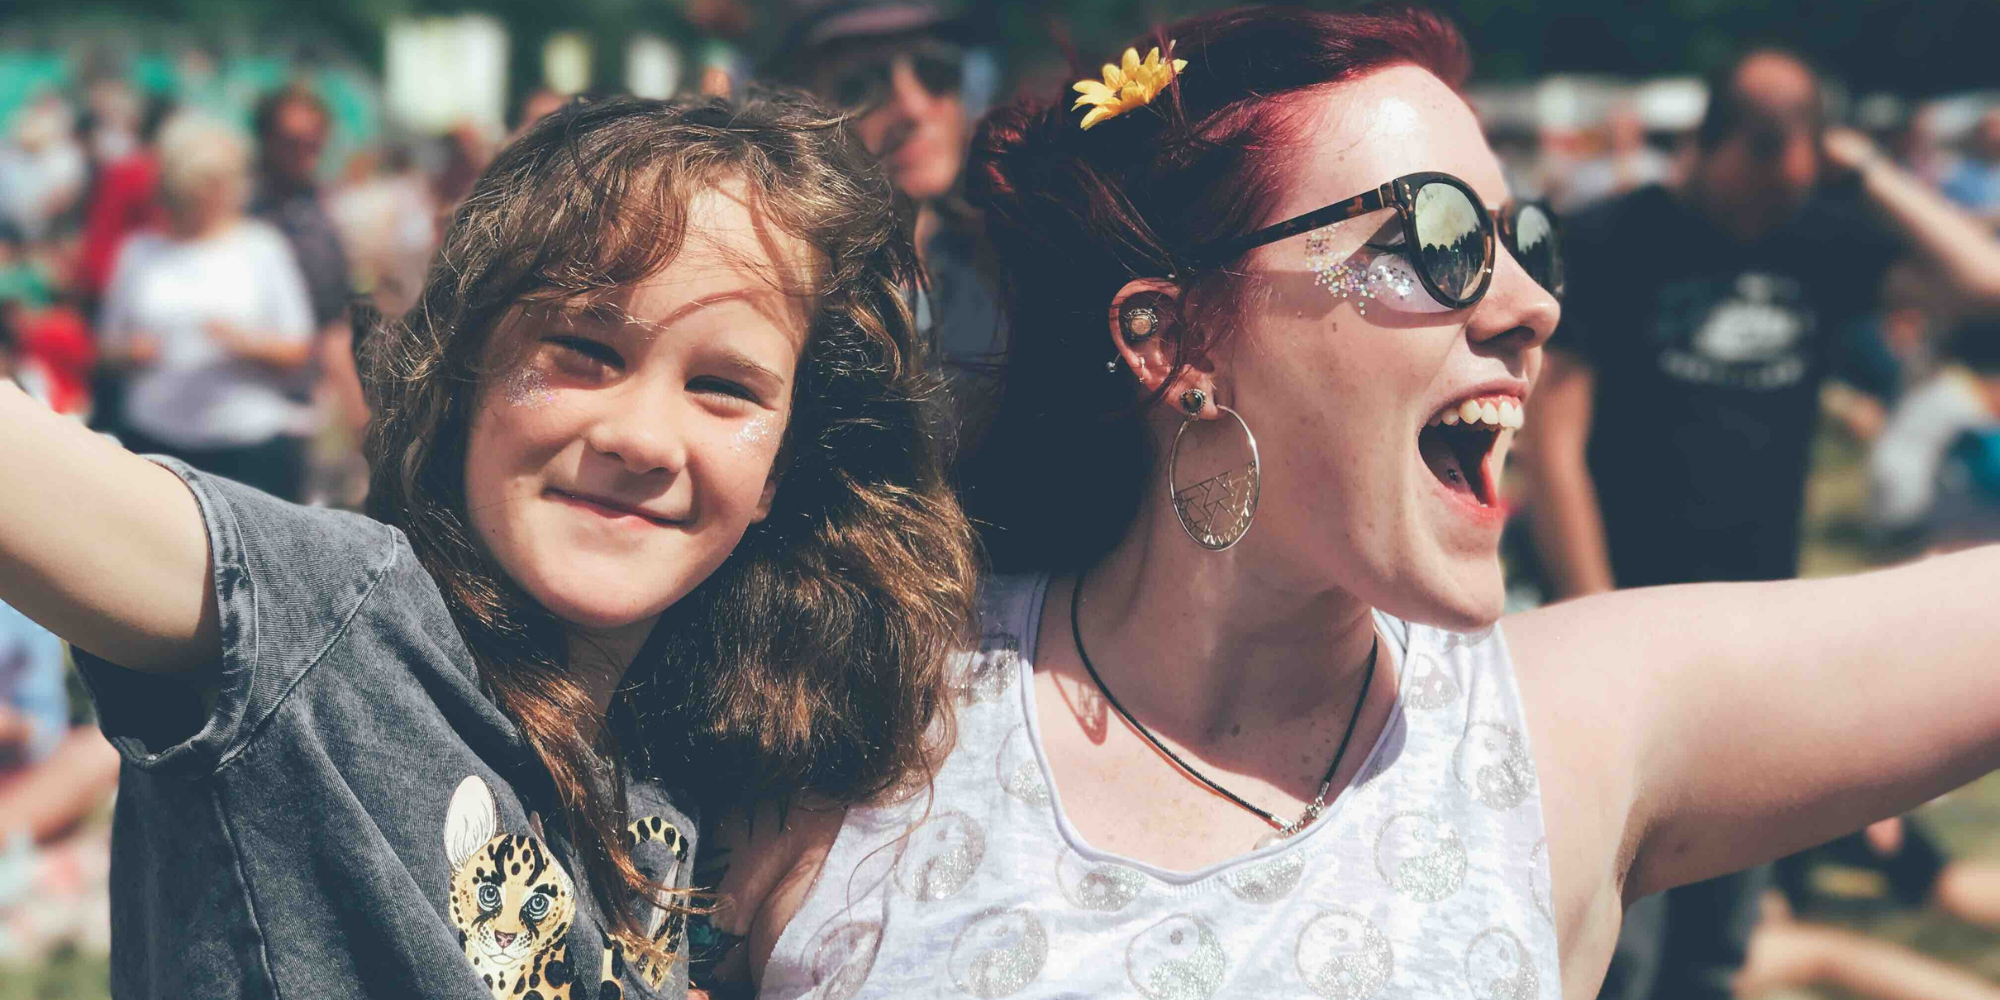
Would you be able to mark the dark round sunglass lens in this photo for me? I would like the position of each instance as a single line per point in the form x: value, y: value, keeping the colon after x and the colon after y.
x: 1451, y: 243
x: 861, y: 87
x: 939, y: 73
x: 1537, y: 247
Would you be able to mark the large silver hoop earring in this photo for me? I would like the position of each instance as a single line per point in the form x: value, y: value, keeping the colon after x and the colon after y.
x: 1217, y: 511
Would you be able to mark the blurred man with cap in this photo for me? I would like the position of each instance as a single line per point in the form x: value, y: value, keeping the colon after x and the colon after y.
x: 902, y: 71
x: 1674, y: 418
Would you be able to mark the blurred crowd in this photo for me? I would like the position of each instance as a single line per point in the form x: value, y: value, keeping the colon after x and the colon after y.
x: 194, y: 287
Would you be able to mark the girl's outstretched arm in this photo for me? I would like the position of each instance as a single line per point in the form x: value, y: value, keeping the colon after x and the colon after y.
x: 1733, y: 723
x: 100, y: 546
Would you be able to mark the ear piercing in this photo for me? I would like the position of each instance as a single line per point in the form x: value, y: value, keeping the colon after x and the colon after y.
x: 1139, y: 322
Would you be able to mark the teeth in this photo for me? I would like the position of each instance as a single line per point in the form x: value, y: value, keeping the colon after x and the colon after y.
x: 1499, y: 412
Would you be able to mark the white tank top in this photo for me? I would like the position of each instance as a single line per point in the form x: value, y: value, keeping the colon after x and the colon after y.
x: 1427, y: 877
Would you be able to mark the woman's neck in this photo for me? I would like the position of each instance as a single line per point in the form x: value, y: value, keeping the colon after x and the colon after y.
x: 196, y: 228
x: 1215, y: 640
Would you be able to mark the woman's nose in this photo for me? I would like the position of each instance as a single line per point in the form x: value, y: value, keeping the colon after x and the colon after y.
x: 1515, y: 303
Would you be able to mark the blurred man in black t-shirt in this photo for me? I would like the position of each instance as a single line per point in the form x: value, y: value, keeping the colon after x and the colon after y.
x: 1673, y: 419
x: 1672, y: 425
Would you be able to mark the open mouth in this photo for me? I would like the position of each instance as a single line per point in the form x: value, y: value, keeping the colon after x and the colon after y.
x: 1459, y: 443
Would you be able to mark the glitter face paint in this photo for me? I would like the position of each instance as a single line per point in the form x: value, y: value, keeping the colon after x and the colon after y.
x: 1367, y: 275
x: 528, y: 388
x: 754, y: 434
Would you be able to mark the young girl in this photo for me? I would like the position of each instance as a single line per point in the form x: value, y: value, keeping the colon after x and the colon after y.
x: 649, y: 471
x: 1240, y: 723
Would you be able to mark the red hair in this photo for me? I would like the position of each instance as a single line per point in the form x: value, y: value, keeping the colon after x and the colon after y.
x: 1074, y: 215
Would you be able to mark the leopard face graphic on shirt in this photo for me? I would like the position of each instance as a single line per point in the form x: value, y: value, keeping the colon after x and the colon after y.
x: 511, y: 900
x: 513, y: 903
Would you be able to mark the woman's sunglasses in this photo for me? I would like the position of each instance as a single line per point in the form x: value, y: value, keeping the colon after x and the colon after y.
x: 939, y: 68
x: 1450, y: 238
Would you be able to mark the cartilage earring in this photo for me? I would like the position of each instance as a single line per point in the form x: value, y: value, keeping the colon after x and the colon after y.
x: 1216, y: 512
x: 1139, y: 322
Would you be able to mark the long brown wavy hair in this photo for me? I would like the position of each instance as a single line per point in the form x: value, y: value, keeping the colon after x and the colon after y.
x: 812, y: 661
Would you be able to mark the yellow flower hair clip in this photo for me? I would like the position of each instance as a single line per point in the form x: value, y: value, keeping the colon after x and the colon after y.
x: 1133, y: 85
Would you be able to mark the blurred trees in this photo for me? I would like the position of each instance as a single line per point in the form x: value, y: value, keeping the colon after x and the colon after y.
x: 1915, y: 47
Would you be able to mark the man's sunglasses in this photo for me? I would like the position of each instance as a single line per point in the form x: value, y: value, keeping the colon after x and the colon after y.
x: 1449, y: 237
x: 939, y: 68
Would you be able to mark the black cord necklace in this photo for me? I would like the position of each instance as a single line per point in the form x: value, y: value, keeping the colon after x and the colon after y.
x: 1313, y: 809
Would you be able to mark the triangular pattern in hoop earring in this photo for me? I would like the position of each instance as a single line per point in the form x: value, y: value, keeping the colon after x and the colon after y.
x: 1216, y: 512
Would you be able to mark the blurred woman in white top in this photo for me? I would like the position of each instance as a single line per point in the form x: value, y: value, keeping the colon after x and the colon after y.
x: 211, y: 319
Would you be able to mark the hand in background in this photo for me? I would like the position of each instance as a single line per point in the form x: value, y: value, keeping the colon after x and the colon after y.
x: 1850, y: 150
x: 133, y: 351
x: 229, y: 337
x: 241, y: 343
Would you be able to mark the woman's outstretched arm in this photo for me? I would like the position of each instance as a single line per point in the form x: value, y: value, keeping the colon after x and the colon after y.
x: 1748, y: 720
x: 100, y: 546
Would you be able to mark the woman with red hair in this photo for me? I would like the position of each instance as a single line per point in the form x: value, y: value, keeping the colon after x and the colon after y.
x: 1241, y: 723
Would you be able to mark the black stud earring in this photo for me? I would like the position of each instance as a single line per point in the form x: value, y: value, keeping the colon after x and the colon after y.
x: 1194, y: 401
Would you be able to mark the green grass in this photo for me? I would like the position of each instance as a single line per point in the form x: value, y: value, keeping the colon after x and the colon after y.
x: 67, y: 975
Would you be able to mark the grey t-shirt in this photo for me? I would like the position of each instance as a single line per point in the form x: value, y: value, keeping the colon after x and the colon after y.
x: 354, y: 817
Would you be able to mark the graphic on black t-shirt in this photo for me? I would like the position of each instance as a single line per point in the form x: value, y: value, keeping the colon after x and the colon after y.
x: 1753, y: 331
x: 513, y: 902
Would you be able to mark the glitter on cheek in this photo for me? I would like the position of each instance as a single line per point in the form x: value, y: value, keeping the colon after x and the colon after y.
x: 528, y: 388
x: 755, y: 434
x: 1366, y: 276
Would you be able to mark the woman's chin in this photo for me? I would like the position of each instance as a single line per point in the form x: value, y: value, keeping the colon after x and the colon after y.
x: 1467, y: 598
x: 1469, y: 617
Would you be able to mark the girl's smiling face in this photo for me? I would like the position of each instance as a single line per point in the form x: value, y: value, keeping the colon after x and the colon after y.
x: 623, y: 445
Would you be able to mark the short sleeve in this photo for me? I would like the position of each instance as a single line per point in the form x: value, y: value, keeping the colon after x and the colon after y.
x: 1858, y: 248
x: 286, y: 308
x: 114, y: 320
x: 288, y: 582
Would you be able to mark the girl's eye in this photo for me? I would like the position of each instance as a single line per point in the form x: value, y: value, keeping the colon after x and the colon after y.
x: 725, y: 387
x: 582, y: 352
